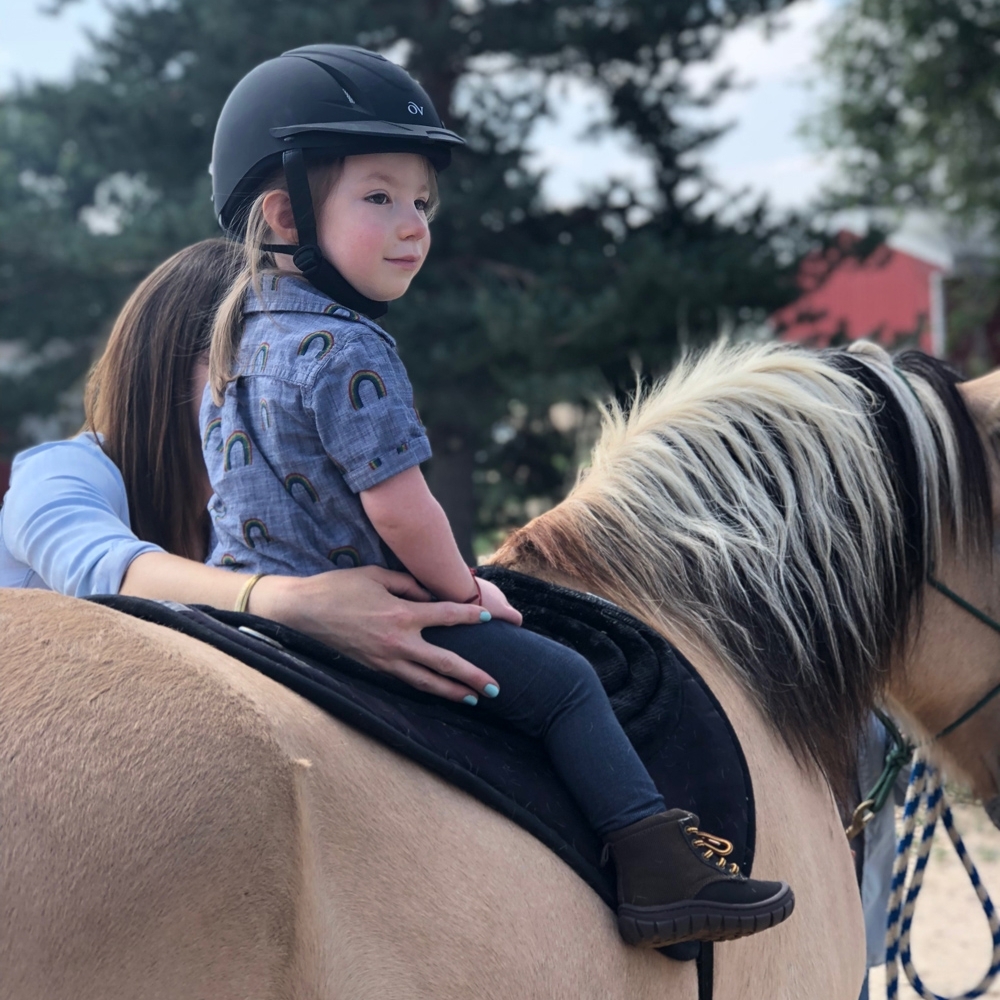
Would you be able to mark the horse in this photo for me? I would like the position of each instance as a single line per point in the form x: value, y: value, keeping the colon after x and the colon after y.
x: 174, y: 824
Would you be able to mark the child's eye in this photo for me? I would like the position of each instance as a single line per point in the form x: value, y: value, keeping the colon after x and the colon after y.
x: 379, y: 198
x: 420, y: 204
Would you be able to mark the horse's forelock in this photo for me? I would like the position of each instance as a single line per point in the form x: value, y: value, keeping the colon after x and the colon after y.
x: 781, y: 508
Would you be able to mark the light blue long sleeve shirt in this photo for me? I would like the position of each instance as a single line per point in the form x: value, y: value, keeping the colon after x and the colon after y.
x: 64, y: 523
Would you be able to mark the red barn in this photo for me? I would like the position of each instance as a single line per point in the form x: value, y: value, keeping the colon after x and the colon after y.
x: 890, y: 296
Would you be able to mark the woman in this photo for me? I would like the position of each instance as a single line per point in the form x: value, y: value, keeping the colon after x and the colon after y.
x: 121, y: 507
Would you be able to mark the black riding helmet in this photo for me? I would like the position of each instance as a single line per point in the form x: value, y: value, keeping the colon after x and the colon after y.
x: 333, y: 100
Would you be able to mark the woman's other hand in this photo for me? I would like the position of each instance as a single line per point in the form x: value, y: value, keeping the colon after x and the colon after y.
x: 492, y: 598
x: 375, y: 616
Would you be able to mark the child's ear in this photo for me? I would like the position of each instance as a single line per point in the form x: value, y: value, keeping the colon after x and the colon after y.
x: 277, y: 211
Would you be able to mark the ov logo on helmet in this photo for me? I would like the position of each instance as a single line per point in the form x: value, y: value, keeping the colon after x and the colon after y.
x: 415, y: 109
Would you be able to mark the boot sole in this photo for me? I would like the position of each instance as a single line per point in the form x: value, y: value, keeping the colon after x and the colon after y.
x: 695, y: 920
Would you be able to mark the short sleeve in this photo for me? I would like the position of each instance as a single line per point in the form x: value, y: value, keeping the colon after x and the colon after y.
x: 66, y: 516
x: 363, y: 406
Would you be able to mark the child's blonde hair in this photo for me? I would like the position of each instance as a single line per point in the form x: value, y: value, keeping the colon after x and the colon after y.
x: 253, y: 262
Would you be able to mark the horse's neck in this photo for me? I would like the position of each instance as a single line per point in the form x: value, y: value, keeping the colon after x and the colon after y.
x: 952, y: 660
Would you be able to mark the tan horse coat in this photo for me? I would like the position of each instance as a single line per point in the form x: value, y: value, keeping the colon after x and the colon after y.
x: 174, y: 825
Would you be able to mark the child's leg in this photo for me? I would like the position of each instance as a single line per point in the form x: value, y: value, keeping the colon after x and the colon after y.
x: 675, y: 882
x: 550, y: 692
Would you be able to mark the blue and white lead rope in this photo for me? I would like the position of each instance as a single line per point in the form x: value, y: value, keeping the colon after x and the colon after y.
x: 925, y: 786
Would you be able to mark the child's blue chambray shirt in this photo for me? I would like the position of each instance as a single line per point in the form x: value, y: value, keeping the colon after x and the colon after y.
x: 321, y: 410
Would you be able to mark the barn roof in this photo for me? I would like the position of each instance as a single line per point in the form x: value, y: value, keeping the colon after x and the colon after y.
x: 890, y: 296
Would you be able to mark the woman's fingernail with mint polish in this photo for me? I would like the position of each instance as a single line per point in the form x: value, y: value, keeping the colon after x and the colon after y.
x: 485, y: 616
x: 471, y: 699
x: 491, y: 690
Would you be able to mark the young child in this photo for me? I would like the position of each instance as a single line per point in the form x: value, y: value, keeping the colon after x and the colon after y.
x: 325, y: 164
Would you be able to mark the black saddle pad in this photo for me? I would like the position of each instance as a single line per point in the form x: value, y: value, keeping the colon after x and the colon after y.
x: 672, y: 718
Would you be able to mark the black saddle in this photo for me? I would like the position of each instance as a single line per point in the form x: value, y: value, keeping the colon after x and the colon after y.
x: 672, y: 718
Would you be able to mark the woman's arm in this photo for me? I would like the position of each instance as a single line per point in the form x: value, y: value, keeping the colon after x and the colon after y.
x: 161, y: 576
x: 66, y: 517
x: 358, y: 612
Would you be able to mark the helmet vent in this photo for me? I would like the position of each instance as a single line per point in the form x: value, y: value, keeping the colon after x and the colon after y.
x: 348, y: 96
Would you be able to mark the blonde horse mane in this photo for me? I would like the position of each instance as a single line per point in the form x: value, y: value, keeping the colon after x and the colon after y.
x: 780, y: 508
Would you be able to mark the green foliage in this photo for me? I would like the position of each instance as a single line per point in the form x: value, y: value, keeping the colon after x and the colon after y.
x: 916, y: 112
x: 915, y: 117
x: 106, y: 175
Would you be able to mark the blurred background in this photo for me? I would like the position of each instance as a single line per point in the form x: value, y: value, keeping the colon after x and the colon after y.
x: 642, y: 176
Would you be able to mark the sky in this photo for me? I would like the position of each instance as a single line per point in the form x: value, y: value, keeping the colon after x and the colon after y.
x: 762, y: 153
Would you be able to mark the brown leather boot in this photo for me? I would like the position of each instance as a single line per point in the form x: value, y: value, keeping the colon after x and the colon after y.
x: 675, y: 884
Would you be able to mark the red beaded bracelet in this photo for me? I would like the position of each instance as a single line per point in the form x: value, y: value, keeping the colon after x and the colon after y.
x: 476, y: 598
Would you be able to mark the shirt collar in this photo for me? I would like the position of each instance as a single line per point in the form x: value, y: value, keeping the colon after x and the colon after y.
x: 288, y: 293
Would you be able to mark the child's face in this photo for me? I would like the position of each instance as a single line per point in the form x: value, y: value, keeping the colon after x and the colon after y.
x: 373, y: 226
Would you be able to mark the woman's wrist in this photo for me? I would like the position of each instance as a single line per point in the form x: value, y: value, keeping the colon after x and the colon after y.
x: 273, y: 597
x: 242, y: 603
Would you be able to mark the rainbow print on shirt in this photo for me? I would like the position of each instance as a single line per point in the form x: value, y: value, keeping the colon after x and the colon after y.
x: 265, y: 415
x: 259, y: 362
x: 345, y: 557
x: 294, y: 479
x: 358, y: 379
x: 238, y: 440
x: 210, y: 428
x: 322, y: 337
x: 333, y: 309
x: 254, y: 530
x: 228, y: 559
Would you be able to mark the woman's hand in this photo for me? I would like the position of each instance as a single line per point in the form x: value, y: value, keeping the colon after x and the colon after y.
x: 371, y: 614
x: 375, y: 616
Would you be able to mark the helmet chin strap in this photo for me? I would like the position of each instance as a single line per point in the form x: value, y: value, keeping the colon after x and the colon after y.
x: 307, y: 255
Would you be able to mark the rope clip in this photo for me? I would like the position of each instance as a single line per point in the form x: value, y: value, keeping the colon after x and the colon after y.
x: 863, y: 815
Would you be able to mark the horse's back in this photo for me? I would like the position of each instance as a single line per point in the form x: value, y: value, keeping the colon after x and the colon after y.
x: 177, y: 825
x: 150, y: 830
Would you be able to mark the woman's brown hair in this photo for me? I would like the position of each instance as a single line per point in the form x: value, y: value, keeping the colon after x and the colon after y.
x: 138, y: 396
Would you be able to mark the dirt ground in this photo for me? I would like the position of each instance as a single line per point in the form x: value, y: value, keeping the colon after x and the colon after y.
x: 951, y: 939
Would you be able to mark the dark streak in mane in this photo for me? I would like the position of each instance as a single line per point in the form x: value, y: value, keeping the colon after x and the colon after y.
x: 906, y: 561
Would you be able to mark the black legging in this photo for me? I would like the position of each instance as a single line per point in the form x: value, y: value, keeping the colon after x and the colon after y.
x: 552, y: 693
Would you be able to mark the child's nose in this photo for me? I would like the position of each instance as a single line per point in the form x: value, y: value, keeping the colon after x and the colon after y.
x: 413, y: 225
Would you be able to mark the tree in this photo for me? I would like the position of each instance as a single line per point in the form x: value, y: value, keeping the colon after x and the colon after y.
x: 915, y: 119
x: 915, y: 113
x: 519, y: 301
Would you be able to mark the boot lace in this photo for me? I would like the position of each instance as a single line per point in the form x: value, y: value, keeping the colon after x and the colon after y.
x: 713, y: 848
